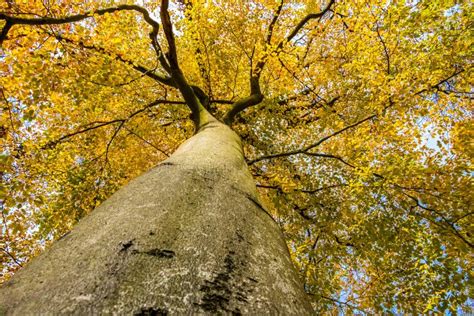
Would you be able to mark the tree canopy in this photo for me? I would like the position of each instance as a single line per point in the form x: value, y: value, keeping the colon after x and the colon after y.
x: 355, y: 118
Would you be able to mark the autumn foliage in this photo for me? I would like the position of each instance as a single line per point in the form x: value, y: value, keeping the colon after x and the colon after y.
x: 355, y: 118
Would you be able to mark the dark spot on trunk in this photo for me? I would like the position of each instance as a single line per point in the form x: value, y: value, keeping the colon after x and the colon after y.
x: 229, y: 263
x: 166, y: 163
x: 217, y: 293
x: 253, y: 280
x: 151, y: 311
x: 162, y: 253
x: 206, y: 126
x: 240, y: 238
x: 214, y: 303
x: 127, y: 245
x: 151, y: 233
x: 241, y: 297
x: 155, y: 252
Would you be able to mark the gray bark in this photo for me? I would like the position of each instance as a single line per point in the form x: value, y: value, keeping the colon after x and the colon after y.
x: 188, y: 237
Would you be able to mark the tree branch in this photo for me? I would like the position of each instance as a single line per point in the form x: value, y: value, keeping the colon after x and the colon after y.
x: 307, y: 191
x: 450, y: 224
x: 3, y: 35
x: 305, y: 150
x: 142, y: 69
x: 12, y: 257
x: 256, y: 96
x: 96, y: 125
x: 107, y: 148
x: 385, y: 49
x: 342, y: 242
x: 199, y: 113
x: 437, y: 85
x: 11, y: 20
x: 305, y: 20
x: 146, y: 141
x: 338, y: 302
x: 196, y: 37
x: 268, y: 39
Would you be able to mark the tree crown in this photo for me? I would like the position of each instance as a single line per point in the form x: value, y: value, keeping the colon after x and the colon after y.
x: 355, y: 119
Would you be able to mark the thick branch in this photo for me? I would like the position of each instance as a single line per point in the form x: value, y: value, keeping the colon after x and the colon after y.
x: 254, y: 98
x: 11, y: 20
x: 3, y: 35
x: 305, y: 20
x: 268, y: 39
x: 199, y: 114
x: 168, y: 30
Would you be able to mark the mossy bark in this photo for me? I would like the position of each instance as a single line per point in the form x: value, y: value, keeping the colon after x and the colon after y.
x: 188, y: 237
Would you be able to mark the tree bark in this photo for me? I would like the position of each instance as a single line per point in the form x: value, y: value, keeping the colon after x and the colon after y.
x: 189, y: 236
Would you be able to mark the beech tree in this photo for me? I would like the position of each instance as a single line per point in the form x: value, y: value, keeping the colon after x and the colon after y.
x: 342, y: 128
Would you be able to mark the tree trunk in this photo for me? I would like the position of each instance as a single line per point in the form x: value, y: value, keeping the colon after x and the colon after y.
x: 189, y: 236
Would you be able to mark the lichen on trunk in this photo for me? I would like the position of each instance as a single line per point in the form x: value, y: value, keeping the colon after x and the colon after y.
x: 189, y: 236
